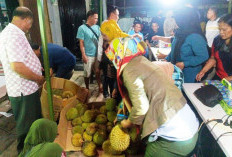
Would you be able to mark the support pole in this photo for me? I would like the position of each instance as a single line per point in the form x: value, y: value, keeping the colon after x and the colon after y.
x: 229, y: 7
x: 45, y: 56
x: 101, y: 12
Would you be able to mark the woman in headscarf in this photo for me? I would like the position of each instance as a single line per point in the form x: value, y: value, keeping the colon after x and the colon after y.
x: 38, y: 142
x: 189, y: 47
x: 154, y: 102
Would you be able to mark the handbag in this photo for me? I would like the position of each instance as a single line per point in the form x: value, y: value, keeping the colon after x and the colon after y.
x: 209, y: 95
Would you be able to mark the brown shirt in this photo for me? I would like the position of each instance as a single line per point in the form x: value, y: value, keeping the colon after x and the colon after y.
x: 155, y: 99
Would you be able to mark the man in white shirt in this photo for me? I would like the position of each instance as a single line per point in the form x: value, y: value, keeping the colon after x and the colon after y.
x: 212, y: 29
x: 23, y: 73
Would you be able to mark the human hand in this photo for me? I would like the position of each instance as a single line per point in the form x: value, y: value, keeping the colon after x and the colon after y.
x: 161, y: 56
x: 84, y: 59
x: 114, y: 93
x: 180, y: 65
x: 40, y: 80
x: 156, y: 37
x: 200, y: 75
x: 126, y: 123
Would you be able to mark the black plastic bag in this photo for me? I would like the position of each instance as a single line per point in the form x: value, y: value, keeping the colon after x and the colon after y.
x: 209, y: 95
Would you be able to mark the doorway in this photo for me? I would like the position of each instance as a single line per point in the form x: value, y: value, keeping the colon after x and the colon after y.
x: 72, y: 14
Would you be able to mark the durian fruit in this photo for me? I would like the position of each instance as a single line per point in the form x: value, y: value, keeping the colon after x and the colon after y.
x: 91, y: 129
x: 71, y: 113
x: 87, y: 137
x: 110, y: 104
x: 99, y: 137
x: 57, y: 96
x: 77, y: 129
x: 102, y: 127
x: 81, y: 108
x: 88, y: 116
x: 67, y: 94
x: 76, y: 121
x: 89, y: 149
x: 119, y: 138
x: 133, y: 134
x: 85, y: 125
x: 77, y: 140
x: 101, y: 119
x: 109, y: 126
x: 103, y: 109
x: 57, y: 92
x: 107, y: 148
x: 111, y: 115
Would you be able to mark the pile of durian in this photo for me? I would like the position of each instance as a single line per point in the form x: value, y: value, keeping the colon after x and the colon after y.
x: 59, y: 93
x: 94, y: 129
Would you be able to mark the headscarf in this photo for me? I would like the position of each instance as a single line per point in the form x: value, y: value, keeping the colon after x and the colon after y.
x: 41, y: 131
x: 46, y: 150
x: 120, y: 52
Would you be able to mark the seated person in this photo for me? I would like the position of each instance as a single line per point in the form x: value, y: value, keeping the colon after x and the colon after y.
x: 154, y: 102
x: 221, y: 52
x: 39, y: 140
x: 61, y: 60
x: 136, y: 32
x: 155, y: 30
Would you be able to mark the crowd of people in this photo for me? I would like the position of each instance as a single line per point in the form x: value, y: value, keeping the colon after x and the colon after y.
x: 152, y: 91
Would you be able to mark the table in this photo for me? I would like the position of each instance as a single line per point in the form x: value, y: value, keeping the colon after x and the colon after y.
x: 164, y: 51
x: 208, y: 113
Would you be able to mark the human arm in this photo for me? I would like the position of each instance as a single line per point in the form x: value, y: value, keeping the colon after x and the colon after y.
x: 165, y: 39
x: 21, y: 69
x: 137, y: 95
x: 210, y: 63
x: 82, y: 48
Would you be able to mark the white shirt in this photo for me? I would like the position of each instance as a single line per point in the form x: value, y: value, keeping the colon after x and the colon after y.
x: 14, y: 47
x: 183, y: 126
x: 212, y: 30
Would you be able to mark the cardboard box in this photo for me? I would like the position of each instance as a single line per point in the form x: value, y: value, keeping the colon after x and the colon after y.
x: 65, y: 126
x: 80, y: 93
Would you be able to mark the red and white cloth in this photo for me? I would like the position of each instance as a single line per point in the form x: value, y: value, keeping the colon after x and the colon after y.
x: 14, y: 47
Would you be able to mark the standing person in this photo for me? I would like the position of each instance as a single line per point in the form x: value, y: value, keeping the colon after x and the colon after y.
x: 155, y: 30
x: 136, y: 31
x: 169, y: 24
x: 22, y: 69
x: 169, y: 126
x: 212, y: 29
x: 61, y: 60
x: 221, y: 54
x: 109, y: 30
x: 189, y: 48
x: 88, y: 35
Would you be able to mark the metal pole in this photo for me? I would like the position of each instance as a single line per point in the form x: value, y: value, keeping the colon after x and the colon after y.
x: 45, y: 56
x: 101, y: 12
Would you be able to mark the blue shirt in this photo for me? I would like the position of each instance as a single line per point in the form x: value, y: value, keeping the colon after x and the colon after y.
x: 90, y: 40
x: 60, y: 56
x: 132, y: 32
x: 193, y: 53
